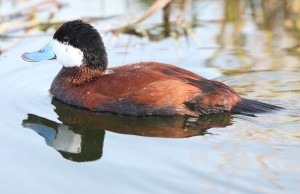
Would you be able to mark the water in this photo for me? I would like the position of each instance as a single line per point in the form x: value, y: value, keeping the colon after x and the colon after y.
x: 50, y: 147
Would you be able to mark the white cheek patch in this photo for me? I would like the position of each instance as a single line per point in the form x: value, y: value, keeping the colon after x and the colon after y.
x: 66, y: 54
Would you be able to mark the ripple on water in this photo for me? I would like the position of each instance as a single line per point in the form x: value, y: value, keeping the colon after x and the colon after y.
x: 27, y: 88
x: 259, y: 150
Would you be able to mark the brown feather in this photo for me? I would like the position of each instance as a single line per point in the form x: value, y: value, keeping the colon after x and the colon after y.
x: 145, y: 88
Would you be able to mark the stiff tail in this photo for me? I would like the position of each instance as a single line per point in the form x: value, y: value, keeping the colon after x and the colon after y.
x: 250, y: 107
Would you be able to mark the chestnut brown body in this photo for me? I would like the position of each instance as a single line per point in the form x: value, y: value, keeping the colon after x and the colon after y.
x: 146, y: 88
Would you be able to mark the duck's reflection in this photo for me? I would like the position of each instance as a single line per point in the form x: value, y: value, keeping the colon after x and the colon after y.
x: 80, y: 137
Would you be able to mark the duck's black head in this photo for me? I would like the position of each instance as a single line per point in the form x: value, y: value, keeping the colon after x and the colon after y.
x: 74, y: 44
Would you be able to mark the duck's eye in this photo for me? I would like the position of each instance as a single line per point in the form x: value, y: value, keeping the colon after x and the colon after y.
x: 66, y: 38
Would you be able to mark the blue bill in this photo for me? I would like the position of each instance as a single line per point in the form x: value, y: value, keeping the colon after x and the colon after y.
x: 45, y: 53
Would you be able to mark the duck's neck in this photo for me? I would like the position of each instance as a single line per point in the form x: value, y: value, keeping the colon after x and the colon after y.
x: 79, y: 75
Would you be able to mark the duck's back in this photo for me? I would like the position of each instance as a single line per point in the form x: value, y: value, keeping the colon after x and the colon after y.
x: 145, y: 88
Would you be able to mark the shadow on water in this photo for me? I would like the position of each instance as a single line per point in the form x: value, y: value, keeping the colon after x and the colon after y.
x: 80, y: 136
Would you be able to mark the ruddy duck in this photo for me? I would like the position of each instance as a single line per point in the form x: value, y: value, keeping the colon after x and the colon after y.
x: 145, y: 88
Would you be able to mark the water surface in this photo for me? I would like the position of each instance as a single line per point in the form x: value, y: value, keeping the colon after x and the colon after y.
x: 50, y: 147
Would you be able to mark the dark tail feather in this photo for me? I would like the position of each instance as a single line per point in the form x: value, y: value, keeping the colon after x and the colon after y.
x: 250, y: 107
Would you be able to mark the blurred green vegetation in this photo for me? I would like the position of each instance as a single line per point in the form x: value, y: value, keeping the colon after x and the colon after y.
x: 178, y: 18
